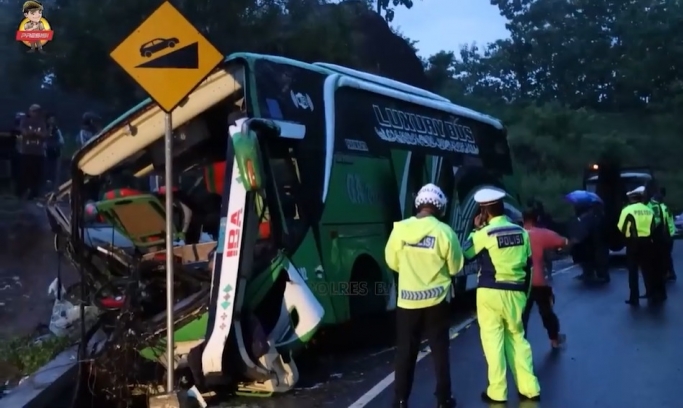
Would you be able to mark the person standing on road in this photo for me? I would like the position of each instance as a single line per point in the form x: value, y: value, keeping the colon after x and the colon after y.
x: 637, y: 224
x: 34, y: 133
x: 16, y: 155
x: 502, y: 292
x: 91, y: 125
x: 426, y: 254
x: 54, y: 152
x: 542, y: 240
x: 664, y: 215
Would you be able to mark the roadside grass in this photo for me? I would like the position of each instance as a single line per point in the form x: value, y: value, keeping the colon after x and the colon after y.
x: 22, y: 356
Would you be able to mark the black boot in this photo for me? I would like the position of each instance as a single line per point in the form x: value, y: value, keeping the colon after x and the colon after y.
x: 485, y: 397
x: 400, y: 404
x: 633, y: 301
x: 523, y: 397
x: 602, y: 279
x: 449, y: 402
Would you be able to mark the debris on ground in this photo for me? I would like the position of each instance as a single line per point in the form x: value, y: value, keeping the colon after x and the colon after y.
x: 66, y: 316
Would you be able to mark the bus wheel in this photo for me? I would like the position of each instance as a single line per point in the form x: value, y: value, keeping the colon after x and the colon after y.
x: 365, y: 275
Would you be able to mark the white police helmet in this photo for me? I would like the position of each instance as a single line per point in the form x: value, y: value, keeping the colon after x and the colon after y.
x: 431, y: 194
x: 638, y: 191
x: 488, y: 195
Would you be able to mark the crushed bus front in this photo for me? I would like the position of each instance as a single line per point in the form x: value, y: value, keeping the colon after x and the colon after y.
x: 242, y: 309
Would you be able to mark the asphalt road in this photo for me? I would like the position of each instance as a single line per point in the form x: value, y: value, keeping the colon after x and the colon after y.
x: 616, y: 357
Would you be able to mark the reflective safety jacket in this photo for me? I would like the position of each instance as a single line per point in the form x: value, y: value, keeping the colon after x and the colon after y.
x: 637, y: 220
x: 663, y: 216
x: 504, y: 255
x: 425, y: 253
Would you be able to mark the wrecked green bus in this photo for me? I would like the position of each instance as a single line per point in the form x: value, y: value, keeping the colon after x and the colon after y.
x: 289, y: 178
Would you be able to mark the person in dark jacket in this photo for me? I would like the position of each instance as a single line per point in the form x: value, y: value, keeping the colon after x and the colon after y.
x: 16, y: 157
x: 34, y: 133
x: 55, y: 142
x: 91, y: 125
x: 600, y: 244
x: 670, y: 230
x: 591, y: 251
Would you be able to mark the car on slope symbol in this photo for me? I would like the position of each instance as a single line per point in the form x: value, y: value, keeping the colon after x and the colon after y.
x: 158, y: 44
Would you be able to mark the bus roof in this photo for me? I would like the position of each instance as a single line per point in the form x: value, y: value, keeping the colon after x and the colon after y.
x: 328, y: 69
x: 86, y: 155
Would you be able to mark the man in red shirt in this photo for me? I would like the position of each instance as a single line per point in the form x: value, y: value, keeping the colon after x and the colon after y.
x: 541, y: 240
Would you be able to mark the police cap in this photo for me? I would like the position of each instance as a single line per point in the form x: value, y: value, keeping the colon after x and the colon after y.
x: 489, y: 195
x: 636, y: 191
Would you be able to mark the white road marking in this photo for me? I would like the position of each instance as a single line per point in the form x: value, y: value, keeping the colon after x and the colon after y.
x: 454, y: 331
x: 366, y: 398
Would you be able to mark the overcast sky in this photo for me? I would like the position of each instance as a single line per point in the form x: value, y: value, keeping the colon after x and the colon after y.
x: 446, y: 24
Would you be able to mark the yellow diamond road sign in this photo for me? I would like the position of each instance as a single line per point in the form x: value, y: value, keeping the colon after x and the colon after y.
x: 167, y: 56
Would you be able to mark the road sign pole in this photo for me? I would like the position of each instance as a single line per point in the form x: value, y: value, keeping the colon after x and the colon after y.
x: 184, y: 58
x: 168, y: 150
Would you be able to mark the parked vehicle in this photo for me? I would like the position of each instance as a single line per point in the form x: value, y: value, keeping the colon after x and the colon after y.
x: 678, y: 222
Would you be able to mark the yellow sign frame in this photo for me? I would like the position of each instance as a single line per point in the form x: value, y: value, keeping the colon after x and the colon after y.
x: 167, y: 56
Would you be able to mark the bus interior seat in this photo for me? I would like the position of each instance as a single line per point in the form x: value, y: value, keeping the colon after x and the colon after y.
x: 141, y: 218
x: 187, y: 214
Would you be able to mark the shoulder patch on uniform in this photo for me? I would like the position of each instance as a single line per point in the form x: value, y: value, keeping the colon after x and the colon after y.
x: 426, y: 242
x: 510, y: 240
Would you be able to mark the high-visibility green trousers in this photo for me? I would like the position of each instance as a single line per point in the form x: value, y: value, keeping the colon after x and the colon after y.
x: 499, y: 313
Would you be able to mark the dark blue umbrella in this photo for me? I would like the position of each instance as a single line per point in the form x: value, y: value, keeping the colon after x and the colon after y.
x: 579, y: 197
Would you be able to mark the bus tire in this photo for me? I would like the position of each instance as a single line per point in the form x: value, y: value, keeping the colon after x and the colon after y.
x: 365, y: 275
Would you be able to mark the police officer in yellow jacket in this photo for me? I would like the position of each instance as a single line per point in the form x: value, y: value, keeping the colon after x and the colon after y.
x: 668, y: 229
x: 637, y: 223
x: 504, y: 282
x: 426, y: 254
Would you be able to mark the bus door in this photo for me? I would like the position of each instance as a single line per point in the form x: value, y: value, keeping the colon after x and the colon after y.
x: 416, y: 178
x: 233, y: 261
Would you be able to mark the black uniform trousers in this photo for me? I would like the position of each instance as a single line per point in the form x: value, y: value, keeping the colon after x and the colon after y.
x: 411, y: 324
x: 641, y: 255
x: 544, y: 298
x: 31, y: 171
x: 660, y: 265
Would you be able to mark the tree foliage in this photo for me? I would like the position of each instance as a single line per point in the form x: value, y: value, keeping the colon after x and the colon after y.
x: 574, y: 79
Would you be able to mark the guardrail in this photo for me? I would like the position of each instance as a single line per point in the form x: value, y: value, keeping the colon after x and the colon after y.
x: 41, y: 388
